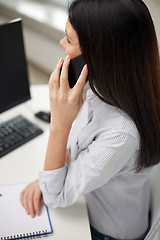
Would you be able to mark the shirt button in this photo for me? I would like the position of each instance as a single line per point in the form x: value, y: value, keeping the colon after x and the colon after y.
x: 44, y: 186
x: 77, y: 143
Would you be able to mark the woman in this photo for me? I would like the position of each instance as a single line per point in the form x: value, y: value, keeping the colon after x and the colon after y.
x: 115, y: 139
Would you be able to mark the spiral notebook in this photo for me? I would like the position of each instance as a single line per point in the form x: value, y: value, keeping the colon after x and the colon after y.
x: 14, y: 222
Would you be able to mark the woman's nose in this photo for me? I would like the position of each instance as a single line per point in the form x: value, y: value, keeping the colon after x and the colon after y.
x: 62, y: 42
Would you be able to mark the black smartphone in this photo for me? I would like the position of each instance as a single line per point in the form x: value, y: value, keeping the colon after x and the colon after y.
x: 75, y: 67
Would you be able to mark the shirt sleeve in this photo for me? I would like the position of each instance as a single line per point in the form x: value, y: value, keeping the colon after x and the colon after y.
x: 94, y: 167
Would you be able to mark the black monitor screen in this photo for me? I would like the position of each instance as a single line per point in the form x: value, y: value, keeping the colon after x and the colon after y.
x: 14, y: 84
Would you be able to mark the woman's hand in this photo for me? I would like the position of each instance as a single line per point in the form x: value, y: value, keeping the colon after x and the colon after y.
x: 31, y: 199
x: 65, y: 102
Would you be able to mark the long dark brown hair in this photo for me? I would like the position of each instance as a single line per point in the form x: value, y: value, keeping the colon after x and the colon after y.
x: 119, y: 44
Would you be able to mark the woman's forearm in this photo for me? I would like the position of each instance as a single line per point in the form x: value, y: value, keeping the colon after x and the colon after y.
x: 56, y: 149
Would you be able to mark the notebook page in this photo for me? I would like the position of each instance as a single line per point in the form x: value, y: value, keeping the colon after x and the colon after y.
x: 13, y: 218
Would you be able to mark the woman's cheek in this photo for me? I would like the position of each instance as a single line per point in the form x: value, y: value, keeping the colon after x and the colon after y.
x: 72, y: 51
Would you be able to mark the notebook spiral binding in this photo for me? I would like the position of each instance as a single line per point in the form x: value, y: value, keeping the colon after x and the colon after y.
x: 32, y: 235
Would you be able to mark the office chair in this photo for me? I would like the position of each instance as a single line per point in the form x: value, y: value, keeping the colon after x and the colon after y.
x: 154, y: 233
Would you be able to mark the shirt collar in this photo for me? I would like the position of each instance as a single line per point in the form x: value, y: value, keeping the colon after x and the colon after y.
x: 96, y: 105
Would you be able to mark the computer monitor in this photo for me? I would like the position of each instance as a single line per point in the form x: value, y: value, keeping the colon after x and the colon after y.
x: 14, y: 83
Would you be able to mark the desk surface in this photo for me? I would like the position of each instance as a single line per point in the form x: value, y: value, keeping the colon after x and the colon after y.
x: 23, y: 165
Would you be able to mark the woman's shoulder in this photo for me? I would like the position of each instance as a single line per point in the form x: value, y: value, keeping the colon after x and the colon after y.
x: 111, y: 119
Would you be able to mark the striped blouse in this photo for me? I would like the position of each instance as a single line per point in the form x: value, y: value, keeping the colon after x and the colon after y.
x: 103, y: 146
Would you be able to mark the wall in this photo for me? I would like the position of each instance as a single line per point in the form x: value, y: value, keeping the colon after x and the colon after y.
x: 41, y: 38
x: 44, y: 25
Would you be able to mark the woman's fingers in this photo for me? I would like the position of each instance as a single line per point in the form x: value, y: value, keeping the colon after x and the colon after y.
x: 65, y: 102
x: 31, y: 199
x: 24, y: 200
x: 59, y: 77
x: 21, y: 197
x: 30, y: 206
x: 81, y: 82
x: 64, y: 74
x: 37, y: 201
x: 54, y: 82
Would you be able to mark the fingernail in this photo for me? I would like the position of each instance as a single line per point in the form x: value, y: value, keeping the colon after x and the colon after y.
x: 67, y: 57
x: 86, y: 68
x: 60, y: 60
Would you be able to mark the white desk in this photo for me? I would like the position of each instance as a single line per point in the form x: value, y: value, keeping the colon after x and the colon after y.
x: 24, y: 164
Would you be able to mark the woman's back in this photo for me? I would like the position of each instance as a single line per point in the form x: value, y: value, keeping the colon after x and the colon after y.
x: 118, y: 198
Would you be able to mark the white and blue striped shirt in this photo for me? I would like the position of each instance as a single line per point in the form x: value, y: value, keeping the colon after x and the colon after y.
x: 103, y: 146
